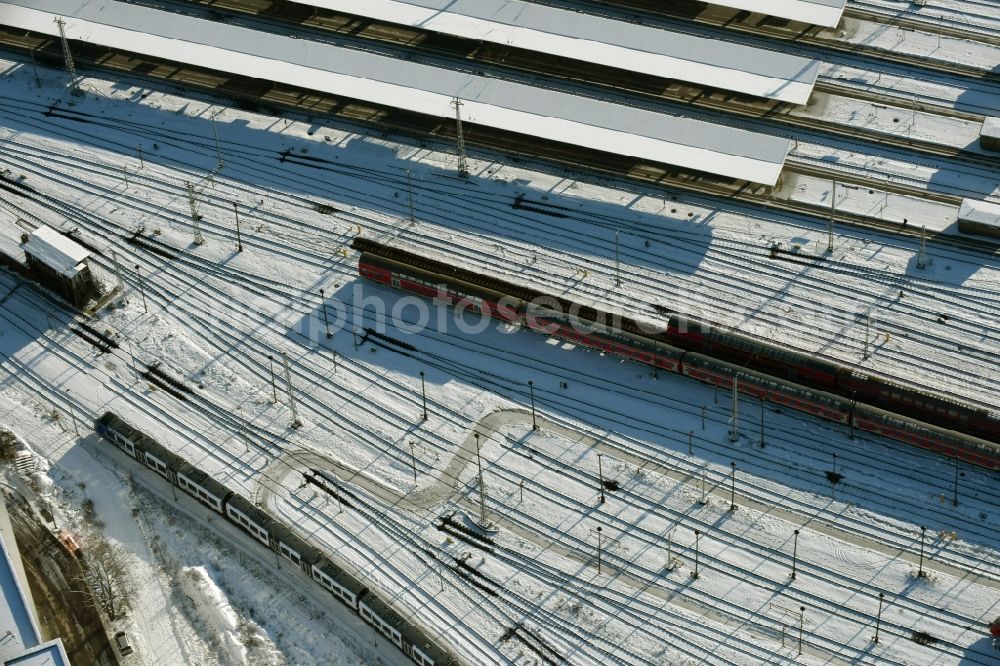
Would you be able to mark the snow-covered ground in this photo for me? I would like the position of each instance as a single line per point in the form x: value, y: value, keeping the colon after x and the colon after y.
x: 547, y: 584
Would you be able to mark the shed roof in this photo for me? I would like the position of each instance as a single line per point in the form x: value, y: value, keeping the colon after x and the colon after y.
x: 56, y: 251
x: 991, y: 127
x: 514, y: 107
x: 980, y: 212
x: 604, y: 41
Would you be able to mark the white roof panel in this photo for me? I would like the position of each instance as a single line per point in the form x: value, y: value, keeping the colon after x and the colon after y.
x: 513, y: 107
x: 56, y: 251
x: 816, y: 12
x: 603, y: 41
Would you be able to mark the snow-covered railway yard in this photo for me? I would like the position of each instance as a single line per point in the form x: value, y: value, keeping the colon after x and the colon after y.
x: 628, y: 527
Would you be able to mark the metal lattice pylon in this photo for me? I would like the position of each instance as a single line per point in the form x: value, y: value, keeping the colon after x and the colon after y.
x: 70, y: 66
x: 463, y: 164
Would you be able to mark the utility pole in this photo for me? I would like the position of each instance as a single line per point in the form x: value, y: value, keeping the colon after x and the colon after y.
x: 703, y: 409
x: 690, y: 442
x: 409, y: 188
x: 599, y: 548
x: 618, y: 263
x: 218, y: 153
x: 600, y: 472
x: 833, y: 212
x: 142, y: 165
x: 326, y: 318
x: 296, y: 423
x: 868, y: 327
x: 239, y: 239
x: 118, y: 270
x: 670, y: 551
x: 413, y: 461
x: 762, y: 422
x: 482, y: 490
x: 67, y: 55
x: 423, y: 393
x: 531, y: 392
x: 142, y: 289
x: 463, y: 165
x: 732, y: 487
x: 922, y: 257
x: 697, y: 535
x: 76, y: 426
x: 195, y: 217
x: 954, y: 494
x: 274, y: 389
x: 920, y: 570
x: 802, y: 621
x: 34, y: 67
x: 734, y: 431
x: 878, y: 618
x: 795, y: 554
x: 704, y: 474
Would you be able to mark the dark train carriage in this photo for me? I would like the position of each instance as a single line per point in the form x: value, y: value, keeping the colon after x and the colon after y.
x: 245, y: 514
x: 202, y: 487
x: 940, y: 411
x: 825, y: 405
x: 140, y: 446
x: 454, y: 292
x: 932, y: 438
x: 292, y: 548
x: 337, y: 582
x: 754, y: 354
x: 380, y: 615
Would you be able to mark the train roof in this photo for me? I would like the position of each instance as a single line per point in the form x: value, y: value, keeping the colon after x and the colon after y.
x: 251, y: 511
x: 519, y: 108
x: 203, y: 479
x: 342, y: 577
x: 599, y: 40
x: 142, y: 441
x: 692, y: 358
x: 281, y: 532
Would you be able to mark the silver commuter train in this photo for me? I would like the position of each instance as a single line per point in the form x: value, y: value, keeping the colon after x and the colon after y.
x: 275, y: 536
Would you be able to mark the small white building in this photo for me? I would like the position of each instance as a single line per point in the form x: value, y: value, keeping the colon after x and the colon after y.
x: 989, y: 136
x: 979, y: 217
x: 59, y: 264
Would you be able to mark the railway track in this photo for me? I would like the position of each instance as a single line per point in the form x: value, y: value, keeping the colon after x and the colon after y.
x: 948, y: 21
x: 645, y: 576
x: 734, y: 259
x: 660, y: 177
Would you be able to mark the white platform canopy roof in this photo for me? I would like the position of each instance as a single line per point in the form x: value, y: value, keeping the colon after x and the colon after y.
x: 816, y: 12
x: 390, y: 82
x: 603, y: 41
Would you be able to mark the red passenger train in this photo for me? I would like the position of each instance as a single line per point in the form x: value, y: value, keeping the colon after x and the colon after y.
x: 686, y: 346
